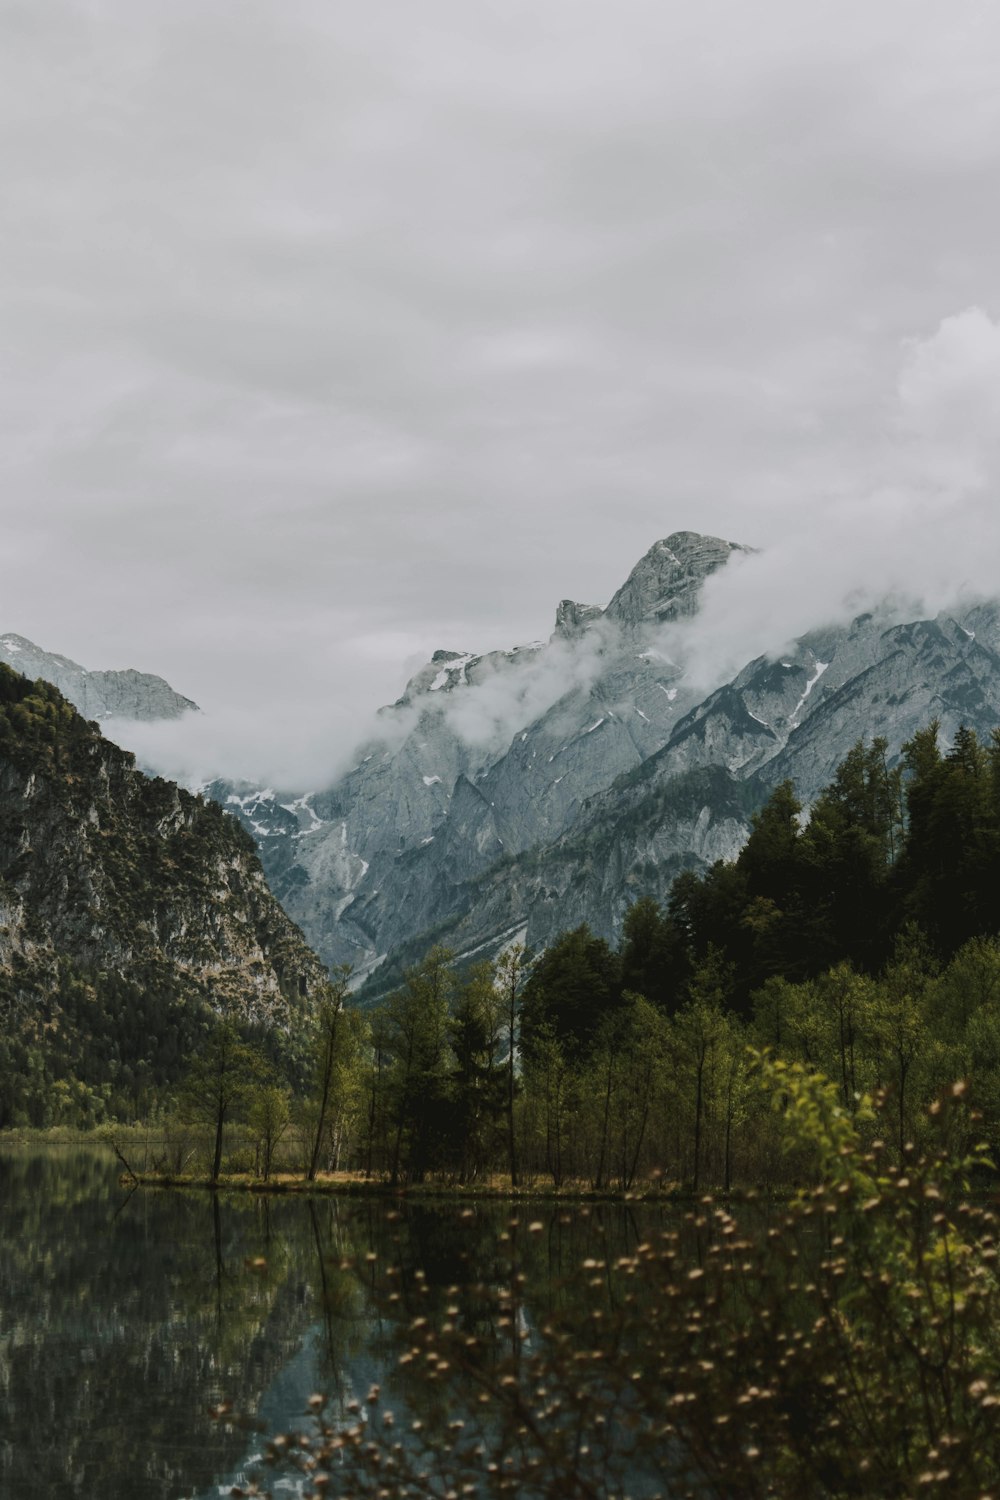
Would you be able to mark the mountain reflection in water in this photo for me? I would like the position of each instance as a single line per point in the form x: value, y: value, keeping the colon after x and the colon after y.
x: 125, y: 1317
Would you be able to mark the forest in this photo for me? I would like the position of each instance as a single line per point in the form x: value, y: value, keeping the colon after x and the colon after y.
x: 860, y: 940
x: 797, y: 1060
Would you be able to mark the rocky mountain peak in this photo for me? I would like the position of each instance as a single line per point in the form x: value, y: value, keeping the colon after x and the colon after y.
x: 572, y: 618
x: 125, y: 694
x: 665, y: 584
x: 446, y: 669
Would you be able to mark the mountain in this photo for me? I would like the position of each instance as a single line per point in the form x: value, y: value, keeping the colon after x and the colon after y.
x: 482, y: 757
x: 96, y: 695
x: 130, y: 911
x: 691, y: 802
x: 520, y: 793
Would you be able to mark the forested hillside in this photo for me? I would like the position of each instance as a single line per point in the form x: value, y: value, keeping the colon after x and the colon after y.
x: 131, y: 915
x: 140, y: 950
x: 862, y: 942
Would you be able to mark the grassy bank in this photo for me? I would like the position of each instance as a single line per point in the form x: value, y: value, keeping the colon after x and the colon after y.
x: 351, y: 1184
x: 134, y: 1136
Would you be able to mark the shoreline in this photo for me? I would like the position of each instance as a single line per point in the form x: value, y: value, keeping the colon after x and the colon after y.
x: 344, y: 1185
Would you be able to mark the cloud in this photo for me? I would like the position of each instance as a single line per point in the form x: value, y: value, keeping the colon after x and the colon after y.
x: 924, y: 537
x: 351, y: 322
x: 296, y: 723
x: 290, y: 745
x: 488, y: 713
x: 949, y: 403
x: 290, y: 739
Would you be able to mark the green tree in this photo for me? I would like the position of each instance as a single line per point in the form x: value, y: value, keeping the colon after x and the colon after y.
x: 700, y: 1029
x: 549, y: 1079
x: 268, y: 1116
x: 573, y: 985
x: 327, y: 1034
x: 476, y: 1084
x: 624, y: 1084
x: 512, y: 970
x: 653, y: 960
x: 851, y: 844
x: 416, y: 1032
x: 848, y: 1002
x: 900, y: 1023
x: 219, y: 1078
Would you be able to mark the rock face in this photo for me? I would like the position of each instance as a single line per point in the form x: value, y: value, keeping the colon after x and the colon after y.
x: 665, y: 584
x: 489, y: 759
x: 110, y: 875
x: 525, y: 792
x: 96, y: 695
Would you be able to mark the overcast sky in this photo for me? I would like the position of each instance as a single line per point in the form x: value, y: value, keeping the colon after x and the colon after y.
x: 333, y: 332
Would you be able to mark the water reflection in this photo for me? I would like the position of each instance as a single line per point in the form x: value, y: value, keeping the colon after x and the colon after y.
x: 124, y: 1316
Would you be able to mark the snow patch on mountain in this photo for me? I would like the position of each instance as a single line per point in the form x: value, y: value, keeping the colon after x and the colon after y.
x: 821, y: 667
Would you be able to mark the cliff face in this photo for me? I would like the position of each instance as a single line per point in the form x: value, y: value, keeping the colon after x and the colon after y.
x: 582, y: 798
x: 534, y: 789
x: 113, y: 884
x: 98, y: 695
x: 484, y: 759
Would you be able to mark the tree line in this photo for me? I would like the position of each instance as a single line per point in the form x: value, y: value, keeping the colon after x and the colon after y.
x: 861, y: 940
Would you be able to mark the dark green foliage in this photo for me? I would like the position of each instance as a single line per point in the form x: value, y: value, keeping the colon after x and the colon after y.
x: 654, y: 959
x: 950, y: 864
x: 478, y: 1082
x: 415, y: 1035
x: 575, y: 983
x: 883, y: 847
x: 850, y: 846
x: 84, y: 1046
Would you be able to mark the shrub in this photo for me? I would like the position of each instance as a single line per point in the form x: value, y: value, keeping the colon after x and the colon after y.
x: 846, y: 1345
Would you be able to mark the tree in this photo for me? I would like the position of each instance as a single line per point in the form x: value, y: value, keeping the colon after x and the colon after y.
x: 549, y: 1080
x: 847, y: 999
x: 653, y: 961
x: 416, y: 1032
x: 327, y: 1026
x: 900, y: 1021
x: 572, y: 986
x: 700, y: 1028
x: 850, y: 846
x: 220, y: 1077
x: 268, y: 1118
x: 624, y: 1081
x: 476, y: 1084
x: 512, y: 969
x: 770, y: 857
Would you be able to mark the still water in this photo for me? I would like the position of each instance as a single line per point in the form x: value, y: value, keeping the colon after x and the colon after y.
x: 125, y: 1316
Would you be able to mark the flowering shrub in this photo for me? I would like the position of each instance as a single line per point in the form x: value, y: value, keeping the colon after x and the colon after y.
x: 846, y: 1344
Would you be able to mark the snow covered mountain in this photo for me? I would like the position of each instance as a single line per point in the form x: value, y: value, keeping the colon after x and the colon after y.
x: 527, y: 791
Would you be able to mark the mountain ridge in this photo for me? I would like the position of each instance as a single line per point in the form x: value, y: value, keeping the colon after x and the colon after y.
x: 492, y: 773
x: 101, y: 695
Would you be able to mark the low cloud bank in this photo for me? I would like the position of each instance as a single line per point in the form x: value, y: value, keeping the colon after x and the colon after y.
x: 922, y: 536
x: 487, y: 714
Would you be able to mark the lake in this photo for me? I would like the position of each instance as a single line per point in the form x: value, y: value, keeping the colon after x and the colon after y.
x: 125, y: 1316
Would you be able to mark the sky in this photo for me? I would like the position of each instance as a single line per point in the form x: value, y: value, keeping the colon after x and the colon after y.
x: 332, y: 334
